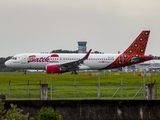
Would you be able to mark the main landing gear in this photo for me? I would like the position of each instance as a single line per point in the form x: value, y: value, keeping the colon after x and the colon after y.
x: 74, y: 72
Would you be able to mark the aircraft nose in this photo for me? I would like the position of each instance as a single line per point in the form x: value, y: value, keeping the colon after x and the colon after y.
x: 6, y: 63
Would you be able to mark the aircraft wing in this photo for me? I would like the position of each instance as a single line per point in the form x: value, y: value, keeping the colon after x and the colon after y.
x: 74, y: 65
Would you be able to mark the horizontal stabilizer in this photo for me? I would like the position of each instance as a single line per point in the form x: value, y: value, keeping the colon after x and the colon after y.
x: 135, y: 59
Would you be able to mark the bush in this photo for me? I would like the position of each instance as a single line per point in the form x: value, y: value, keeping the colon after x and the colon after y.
x: 48, y: 113
x: 12, y: 114
x: 2, y: 110
x: 15, y: 114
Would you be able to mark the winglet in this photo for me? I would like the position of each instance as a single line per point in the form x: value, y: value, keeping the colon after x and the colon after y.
x: 87, y: 55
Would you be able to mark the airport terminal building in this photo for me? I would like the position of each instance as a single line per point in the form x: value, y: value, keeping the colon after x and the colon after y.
x: 152, y: 65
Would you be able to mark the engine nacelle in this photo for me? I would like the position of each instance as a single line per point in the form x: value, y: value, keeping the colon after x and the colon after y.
x: 51, y: 69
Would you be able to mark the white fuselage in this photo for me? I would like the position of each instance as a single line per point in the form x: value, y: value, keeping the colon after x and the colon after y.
x: 40, y: 61
x: 59, y: 63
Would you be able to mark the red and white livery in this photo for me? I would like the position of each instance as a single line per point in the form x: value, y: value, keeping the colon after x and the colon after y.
x: 59, y: 63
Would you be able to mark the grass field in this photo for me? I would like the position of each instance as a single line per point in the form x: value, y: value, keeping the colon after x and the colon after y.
x: 19, y: 88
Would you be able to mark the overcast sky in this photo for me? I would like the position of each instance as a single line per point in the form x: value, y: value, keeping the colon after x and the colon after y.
x: 107, y: 25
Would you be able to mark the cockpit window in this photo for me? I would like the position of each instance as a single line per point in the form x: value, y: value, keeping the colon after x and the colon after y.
x: 14, y: 58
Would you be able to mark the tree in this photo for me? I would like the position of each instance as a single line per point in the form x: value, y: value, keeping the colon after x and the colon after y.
x: 96, y: 52
x: 64, y: 51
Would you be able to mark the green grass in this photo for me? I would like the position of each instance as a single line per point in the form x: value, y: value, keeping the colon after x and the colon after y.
x: 19, y: 88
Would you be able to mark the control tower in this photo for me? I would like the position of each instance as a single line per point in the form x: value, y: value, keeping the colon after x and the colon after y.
x: 82, y: 46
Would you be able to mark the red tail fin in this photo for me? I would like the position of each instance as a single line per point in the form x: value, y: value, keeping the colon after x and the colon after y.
x: 138, y: 47
x: 134, y: 53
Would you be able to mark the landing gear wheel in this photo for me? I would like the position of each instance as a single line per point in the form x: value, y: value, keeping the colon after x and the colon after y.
x: 74, y: 72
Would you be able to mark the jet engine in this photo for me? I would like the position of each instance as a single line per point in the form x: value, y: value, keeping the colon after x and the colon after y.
x: 51, y: 69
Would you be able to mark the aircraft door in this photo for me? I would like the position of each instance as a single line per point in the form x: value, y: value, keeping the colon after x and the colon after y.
x: 23, y: 59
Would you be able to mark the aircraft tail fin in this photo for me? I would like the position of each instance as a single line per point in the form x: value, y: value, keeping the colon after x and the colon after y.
x: 138, y: 46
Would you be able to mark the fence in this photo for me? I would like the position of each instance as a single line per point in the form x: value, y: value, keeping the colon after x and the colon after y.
x: 33, y: 92
x: 98, y: 91
x: 157, y: 91
x: 21, y: 92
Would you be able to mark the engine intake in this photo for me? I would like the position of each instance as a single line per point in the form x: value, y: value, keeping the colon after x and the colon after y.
x: 51, y: 69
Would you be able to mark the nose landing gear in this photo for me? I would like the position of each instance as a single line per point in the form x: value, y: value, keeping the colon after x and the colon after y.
x: 24, y: 72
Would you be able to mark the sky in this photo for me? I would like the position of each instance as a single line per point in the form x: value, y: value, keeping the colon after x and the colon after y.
x: 108, y: 26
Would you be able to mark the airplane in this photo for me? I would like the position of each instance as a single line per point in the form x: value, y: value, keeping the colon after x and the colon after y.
x: 60, y: 63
